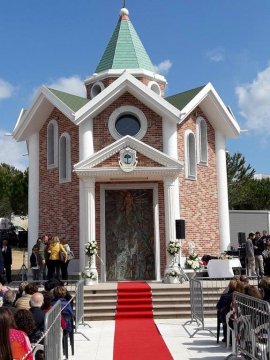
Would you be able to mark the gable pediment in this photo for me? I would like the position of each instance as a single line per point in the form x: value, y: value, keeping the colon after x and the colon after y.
x: 148, y: 159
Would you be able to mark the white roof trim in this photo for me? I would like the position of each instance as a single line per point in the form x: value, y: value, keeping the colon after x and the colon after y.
x: 128, y: 141
x: 221, y: 116
x: 118, y: 72
x: 26, y: 117
x: 127, y: 82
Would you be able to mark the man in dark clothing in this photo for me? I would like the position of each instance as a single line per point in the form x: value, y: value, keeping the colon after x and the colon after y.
x: 258, y: 243
x: 7, y: 257
x: 38, y: 315
x: 1, y: 269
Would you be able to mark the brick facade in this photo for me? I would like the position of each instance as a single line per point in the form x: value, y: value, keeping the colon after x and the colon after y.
x: 102, y: 136
x: 199, y: 198
x: 59, y: 203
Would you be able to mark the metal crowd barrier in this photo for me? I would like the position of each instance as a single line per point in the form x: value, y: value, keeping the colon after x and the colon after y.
x: 53, y: 331
x: 79, y: 308
x: 251, y: 327
x: 204, y: 295
x: 197, y: 306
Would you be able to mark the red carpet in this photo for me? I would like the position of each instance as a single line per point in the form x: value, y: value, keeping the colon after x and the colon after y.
x: 136, y: 335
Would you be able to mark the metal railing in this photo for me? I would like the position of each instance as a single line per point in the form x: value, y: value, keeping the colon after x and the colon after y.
x: 197, y: 306
x: 204, y: 295
x: 251, y: 327
x: 53, y: 331
x: 79, y: 308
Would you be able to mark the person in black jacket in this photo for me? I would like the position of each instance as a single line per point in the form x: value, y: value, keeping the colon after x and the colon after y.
x: 7, y: 257
x: 38, y: 315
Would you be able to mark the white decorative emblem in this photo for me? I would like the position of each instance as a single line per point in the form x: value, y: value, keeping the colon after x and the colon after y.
x: 128, y: 159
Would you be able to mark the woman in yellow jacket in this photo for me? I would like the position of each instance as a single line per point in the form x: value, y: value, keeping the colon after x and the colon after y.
x: 54, y: 264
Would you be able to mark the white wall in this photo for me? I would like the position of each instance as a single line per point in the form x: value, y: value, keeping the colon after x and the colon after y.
x: 247, y: 221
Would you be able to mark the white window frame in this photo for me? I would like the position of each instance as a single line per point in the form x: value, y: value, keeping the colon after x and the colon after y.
x: 123, y: 110
x: 51, y: 165
x: 188, y: 172
x: 67, y: 160
x: 202, y: 141
x: 97, y: 85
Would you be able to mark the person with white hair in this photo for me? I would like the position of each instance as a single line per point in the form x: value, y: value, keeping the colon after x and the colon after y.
x: 36, y: 302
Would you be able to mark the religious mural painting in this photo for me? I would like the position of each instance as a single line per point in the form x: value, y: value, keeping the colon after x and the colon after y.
x: 129, y: 222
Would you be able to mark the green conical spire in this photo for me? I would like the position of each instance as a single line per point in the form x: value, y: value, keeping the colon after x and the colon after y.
x: 125, y: 49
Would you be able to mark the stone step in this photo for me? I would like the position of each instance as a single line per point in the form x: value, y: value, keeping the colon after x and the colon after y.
x: 169, y: 301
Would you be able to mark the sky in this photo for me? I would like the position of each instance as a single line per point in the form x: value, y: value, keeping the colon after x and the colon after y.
x: 59, y: 43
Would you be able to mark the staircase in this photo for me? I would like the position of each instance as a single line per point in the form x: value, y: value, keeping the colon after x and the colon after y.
x: 169, y: 300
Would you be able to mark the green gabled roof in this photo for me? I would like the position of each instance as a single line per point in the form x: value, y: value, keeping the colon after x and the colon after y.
x: 74, y: 102
x: 125, y: 49
x: 182, y: 99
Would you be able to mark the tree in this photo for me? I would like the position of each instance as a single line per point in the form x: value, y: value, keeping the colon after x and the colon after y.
x: 239, y: 177
x: 13, y: 191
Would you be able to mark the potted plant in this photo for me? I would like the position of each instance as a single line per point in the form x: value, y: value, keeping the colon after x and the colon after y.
x: 89, y: 278
x: 173, y: 276
x: 192, y: 260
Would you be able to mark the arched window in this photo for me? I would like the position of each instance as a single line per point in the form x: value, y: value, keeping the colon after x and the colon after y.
x: 190, y: 155
x: 202, y: 153
x: 52, y: 144
x: 64, y: 158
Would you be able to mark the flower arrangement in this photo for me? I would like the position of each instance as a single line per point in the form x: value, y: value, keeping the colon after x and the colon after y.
x: 173, y: 273
x: 173, y: 247
x: 91, y: 275
x: 91, y: 248
x: 192, y: 260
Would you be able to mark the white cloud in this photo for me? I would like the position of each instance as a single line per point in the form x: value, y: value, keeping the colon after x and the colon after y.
x: 217, y: 54
x: 163, y: 67
x: 11, y: 152
x: 6, y: 89
x: 73, y: 85
x: 254, y: 102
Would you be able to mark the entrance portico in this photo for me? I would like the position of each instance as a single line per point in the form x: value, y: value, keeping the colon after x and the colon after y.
x: 98, y: 177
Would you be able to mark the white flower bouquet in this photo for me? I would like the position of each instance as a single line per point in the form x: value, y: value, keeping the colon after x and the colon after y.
x: 192, y: 260
x: 173, y: 247
x: 173, y: 273
x: 91, y: 275
x: 91, y: 248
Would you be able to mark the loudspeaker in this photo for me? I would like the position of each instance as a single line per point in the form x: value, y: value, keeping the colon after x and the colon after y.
x: 241, y: 238
x: 180, y: 229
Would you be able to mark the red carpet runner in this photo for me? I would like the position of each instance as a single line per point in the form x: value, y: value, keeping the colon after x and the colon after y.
x: 136, y: 335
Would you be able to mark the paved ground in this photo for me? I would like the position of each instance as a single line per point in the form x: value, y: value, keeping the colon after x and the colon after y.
x: 181, y: 346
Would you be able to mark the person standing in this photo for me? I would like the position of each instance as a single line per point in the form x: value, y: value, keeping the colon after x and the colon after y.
x: 266, y: 257
x: 250, y: 258
x: 43, y: 244
x: 64, y: 264
x: 258, y: 243
x: 35, y: 263
x: 1, y: 268
x: 54, y: 263
x: 7, y: 258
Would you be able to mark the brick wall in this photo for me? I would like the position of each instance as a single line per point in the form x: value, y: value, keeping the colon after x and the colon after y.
x: 59, y: 203
x: 199, y: 199
x: 102, y: 136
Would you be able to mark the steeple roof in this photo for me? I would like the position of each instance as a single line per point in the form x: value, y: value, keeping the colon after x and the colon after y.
x: 125, y: 49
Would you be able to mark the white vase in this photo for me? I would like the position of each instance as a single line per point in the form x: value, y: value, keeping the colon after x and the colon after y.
x: 173, y: 280
x: 88, y: 281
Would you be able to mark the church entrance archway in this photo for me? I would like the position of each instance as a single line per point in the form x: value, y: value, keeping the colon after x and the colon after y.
x: 129, y: 234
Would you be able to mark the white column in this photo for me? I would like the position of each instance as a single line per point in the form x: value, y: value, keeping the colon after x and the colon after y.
x: 169, y: 203
x: 170, y: 147
x: 223, y: 206
x: 87, y: 217
x: 33, y: 194
x: 86, y: 147
x: 169, y: 132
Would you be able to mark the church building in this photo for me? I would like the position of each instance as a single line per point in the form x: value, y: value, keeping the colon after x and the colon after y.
x: 123, y: 163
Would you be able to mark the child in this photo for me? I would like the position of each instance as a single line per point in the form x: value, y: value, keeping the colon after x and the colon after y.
x: 35, y: 263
